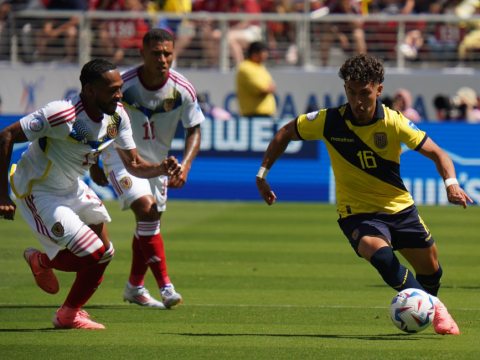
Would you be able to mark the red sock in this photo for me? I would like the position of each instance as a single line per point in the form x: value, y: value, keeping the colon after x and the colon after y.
x: 87, y: 281
x: 139, y: 264
x: 151, y: 244
x: 66, y: 261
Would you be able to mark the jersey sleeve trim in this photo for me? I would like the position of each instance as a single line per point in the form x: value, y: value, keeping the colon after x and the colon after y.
x: 419, y: 146
x: 296, y: 130
x: 30, y: 183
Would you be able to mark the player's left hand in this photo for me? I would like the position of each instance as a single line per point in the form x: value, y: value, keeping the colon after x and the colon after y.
x: 7, y: 208
x: 171, y: 167
x: 176, y: 182
x: 457, y: 196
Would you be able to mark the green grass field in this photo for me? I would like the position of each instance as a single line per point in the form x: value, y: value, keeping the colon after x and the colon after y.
x: 258, y: 282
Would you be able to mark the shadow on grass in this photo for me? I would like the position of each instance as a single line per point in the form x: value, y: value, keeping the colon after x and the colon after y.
x: 388, y: 337
x: 55, y: 307
x: 443, y: 287
x: 29, y: 330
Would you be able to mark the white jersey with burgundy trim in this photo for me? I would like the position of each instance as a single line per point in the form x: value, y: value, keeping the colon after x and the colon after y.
x: 65, y: 142
x: 155, y: 113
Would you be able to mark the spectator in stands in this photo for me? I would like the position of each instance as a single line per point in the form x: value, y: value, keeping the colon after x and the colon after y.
x: 120, y: 38
x: 210, y: 34
x: 255, y: 86
x: 447, y: 36
x: 402, y: 101
x: 463, y: 106
x: 58, y: 29
x: 342, y: 30
x: 471, y: 41
x: 241, y: 34
x: 183, y: 30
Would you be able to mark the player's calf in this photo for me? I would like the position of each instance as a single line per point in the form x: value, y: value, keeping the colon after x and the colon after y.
x: 393, y: 273
x: 431, y: 283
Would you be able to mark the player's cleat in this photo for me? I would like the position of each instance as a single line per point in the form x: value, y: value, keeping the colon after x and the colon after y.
x: 141, y: 297
x: 170, y: 297
x: 66, y: 318
x: 443, y: 322
x: 45, y: 278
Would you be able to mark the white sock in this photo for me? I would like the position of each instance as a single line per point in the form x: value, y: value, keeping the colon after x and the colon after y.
x: 133, y: 287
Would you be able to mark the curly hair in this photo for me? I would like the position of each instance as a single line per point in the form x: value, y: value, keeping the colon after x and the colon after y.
x: 362, y: 67
x: 93, y: 70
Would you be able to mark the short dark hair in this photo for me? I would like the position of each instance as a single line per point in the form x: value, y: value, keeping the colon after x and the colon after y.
x: 158, y: 35
x: 362, y: 67
x: 256, y: 47
x: 94, y: 69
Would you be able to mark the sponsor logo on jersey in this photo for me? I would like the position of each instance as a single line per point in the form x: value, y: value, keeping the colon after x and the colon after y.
x: 355, y: 234
x: 341, y: 139
x: 112, y: 131
x: 126, y: 183
x: 312, y: 116
x: 168, y: 104
x: 58, y: 229
x: 36, y: 124
x: 413, y: 126
x: 380, y: 140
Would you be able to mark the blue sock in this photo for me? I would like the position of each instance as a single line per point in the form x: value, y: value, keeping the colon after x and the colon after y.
x: 431, y: 283
x: 393, y: 273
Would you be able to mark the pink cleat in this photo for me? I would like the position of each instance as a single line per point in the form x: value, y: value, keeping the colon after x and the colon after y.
x: 66, y: 318
x: 443, y: 322
x: 45, y: 278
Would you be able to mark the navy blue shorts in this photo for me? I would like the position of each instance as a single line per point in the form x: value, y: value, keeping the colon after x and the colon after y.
x: 405, y: 229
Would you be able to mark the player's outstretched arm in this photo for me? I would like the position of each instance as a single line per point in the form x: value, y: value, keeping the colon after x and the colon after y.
x: 275, y: 149
x: 141, y: 168
x: 10, y: 135
x: 445, y: 168
x: 192, y: 146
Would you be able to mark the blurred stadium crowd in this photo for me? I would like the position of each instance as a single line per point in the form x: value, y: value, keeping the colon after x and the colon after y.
x: 47, y: 38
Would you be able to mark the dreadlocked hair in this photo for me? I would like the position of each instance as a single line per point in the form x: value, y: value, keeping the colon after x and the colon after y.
x: 364, y: 68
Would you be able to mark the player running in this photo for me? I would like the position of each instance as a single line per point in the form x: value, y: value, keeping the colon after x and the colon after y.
x: 377, y: 214
x: 65, y: 215
x: 156, y: 98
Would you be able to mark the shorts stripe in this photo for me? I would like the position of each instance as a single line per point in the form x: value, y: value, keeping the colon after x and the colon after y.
x: 41, y: 228
x: 115, y: 184
x: 87, y: 239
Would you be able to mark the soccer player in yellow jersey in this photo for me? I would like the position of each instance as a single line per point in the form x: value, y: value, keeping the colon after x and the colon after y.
x: 377, y: 213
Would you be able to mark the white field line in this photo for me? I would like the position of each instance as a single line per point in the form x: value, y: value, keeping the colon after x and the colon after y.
x: 240, y: 305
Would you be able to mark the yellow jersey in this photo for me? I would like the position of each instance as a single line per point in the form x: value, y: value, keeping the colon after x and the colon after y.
x: 252, y: 80
x: 365, y: 159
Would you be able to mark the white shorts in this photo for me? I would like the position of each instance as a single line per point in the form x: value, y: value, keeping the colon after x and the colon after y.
x: 56, y: 219
x: 130, y: 188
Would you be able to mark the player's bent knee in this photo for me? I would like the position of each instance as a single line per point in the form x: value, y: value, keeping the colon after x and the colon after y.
x: 87, y: 245
x: 107, y: 255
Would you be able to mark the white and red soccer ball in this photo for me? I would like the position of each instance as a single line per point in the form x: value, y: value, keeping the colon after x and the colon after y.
x: 412, y: 310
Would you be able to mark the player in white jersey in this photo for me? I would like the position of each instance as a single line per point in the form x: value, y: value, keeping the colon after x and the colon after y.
x: 65, y: 215
x: 156, y: 98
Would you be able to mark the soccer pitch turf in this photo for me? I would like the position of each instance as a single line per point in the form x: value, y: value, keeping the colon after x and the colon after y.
x: 258, y: 282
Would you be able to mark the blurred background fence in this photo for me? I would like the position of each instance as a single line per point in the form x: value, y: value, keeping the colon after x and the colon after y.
x: 203, y: 40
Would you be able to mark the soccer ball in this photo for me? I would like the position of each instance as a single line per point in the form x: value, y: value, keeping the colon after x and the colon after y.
x: 412, y: 310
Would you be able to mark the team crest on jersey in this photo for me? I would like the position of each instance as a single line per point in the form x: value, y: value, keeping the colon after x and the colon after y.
x: 126, y: 183
x: 312, y: 116
x: 112, y: 131
x: 58, y: 229
x: 380, y: 140
x: 36, y: 124
x: 168, y: 104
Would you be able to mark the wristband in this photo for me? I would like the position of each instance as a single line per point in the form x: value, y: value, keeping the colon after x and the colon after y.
x: 450, y: 181
x: 262, y: 172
